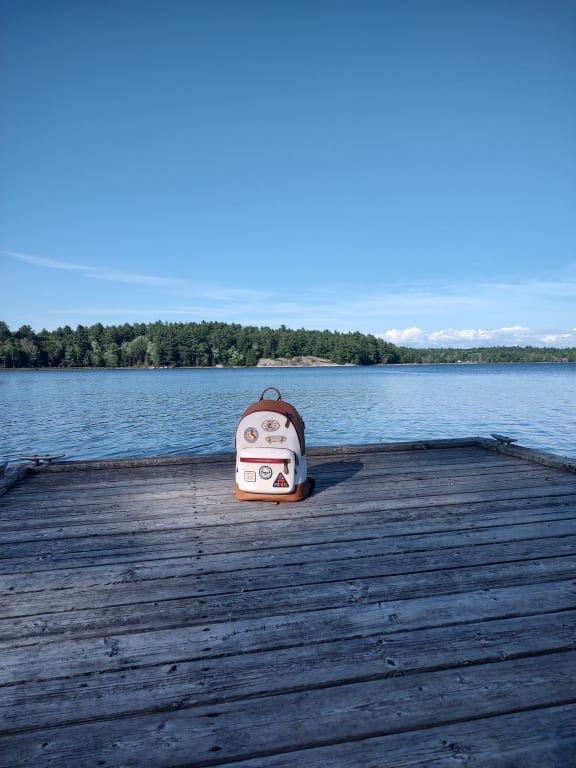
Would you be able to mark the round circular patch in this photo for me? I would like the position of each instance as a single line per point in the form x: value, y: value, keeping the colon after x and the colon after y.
x: 250, y: 434
x: 265, y: 473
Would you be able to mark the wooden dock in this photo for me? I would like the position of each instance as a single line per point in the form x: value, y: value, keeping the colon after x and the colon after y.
x: 418, y: 610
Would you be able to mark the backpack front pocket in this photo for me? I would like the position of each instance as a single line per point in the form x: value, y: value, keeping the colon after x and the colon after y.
x: 266, y: 470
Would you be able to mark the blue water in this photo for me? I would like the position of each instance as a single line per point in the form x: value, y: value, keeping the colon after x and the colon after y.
x: 98, y: 414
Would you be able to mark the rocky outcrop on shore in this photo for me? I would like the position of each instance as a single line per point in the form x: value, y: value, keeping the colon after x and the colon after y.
x: 306, y: 361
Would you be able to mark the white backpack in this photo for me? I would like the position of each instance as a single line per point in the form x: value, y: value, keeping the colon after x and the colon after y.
x: 271, y: 453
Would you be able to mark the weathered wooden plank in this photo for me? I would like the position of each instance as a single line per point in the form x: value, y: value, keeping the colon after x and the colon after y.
x: 200, y: 506
x: 390, y: 488
x: 391, y: 553
x: 62, y: 507
x: 159, y: 527
x: 198, y: 511
x: 119, y: 475
x: 234, y: 598
x: 141, y: 540
x: 128, y: 561
x: 204, y: 511
x: 175, y: 513
x: 324, y: 471
x: 350, y: 470
x: 377, y: 558
x: 10, y: 476
x: 329, y: 466
x: 170, y: 683
x: 353, y: 472
x: 144, y: 592
x: 165, y: 616
x: 185, y: 535
x: 115, y: 650
x: 253, y: 727
x: 455, y: 445
x: 565, y: 463
x: 92, y: 473
x: 133, y: 464
x: 542, y: 738
x: 286, y: 521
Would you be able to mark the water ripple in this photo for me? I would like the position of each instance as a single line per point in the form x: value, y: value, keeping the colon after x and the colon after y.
x: 98, y: 414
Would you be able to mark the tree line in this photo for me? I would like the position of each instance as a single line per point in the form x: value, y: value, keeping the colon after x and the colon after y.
x: 159, y: 344
x: 517, y: 354
x: 209, y: 344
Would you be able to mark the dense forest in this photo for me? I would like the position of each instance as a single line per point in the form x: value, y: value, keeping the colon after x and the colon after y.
x: 209, y: 344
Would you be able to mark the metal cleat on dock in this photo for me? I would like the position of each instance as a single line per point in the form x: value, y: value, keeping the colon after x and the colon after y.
x: 503, y: 439
x: 42, y: 459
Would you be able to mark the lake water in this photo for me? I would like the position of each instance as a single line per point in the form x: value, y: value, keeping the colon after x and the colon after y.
x: 98, y: 414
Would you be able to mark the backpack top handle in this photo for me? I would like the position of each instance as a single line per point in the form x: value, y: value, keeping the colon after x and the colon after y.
x: 275, y: 390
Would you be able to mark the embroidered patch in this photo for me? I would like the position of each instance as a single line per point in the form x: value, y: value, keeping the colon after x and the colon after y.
x: 281, y: 481
x: 249, y: 477
x: 270, y: 425
x: 265, y: 473
x: 250, y: 435
x: 275, y: 439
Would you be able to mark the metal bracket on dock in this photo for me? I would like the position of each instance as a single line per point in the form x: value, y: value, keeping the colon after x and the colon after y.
x: 503, y: 439
x: 44, y: 459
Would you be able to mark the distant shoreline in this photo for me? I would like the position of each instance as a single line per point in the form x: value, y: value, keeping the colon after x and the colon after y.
x: 283, y: 362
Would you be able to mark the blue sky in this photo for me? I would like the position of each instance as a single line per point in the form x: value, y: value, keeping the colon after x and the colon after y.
x: 399, y: 167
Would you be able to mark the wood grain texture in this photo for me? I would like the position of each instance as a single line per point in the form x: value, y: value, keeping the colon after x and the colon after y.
x: 418, y: 610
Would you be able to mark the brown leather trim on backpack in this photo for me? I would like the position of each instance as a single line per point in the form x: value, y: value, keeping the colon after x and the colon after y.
x: 298, y: 494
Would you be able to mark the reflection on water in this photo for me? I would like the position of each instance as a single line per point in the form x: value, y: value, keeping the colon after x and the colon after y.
x: 94, y: 414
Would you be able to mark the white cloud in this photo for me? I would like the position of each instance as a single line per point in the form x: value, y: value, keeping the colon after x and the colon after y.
x: 98, y: 273
x: 559, y: 338
x: 40, y: 261
x: 427, y: 313
x: 178, y: 286
x: 479, y: 337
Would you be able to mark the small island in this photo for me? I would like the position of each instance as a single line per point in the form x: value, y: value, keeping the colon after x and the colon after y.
x: 302, y: 361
